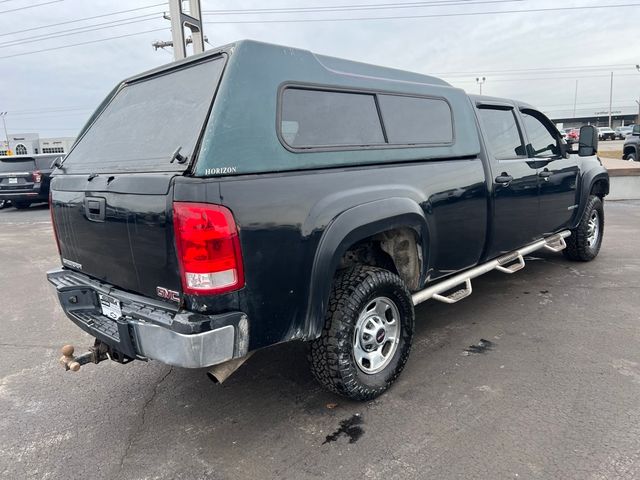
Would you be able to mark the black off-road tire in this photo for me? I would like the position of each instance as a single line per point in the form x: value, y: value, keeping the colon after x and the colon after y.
x: 578, y: 248
x: 21, y: 205
x: 331, y: 356
x: 632, y: 157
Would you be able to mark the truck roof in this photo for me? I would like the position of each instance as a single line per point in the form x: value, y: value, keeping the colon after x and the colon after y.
x: 335, y: 65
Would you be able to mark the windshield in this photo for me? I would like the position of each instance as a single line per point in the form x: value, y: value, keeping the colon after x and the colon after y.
x: 147, y: 120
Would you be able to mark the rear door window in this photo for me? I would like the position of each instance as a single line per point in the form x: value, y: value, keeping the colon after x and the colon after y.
x: 318, y: 118
x: 147, y: 120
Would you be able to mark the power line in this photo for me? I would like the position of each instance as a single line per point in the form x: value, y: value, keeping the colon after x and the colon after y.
x: 519, y: 79
x: 30, y: 6
x: 83, y: 43
x: 80, y: 30
x: 147, y: 17
x: 434, y: 15
x: 347, y: 8
x: 80, y: 19
x: 49, y: 109
x: 576, y: 68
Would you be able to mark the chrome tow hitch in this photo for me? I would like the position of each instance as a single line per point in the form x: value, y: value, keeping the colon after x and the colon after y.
x: 95, y: 354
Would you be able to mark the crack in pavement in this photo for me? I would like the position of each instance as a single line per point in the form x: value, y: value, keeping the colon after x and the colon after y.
x: 143, y: 419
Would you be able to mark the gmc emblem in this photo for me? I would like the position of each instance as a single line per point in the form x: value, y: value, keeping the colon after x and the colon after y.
x: 167, y: 294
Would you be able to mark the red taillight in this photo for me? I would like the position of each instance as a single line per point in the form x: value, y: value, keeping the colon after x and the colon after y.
x: 208, y: 248
x: 37, y: 176
x: 53, y: 222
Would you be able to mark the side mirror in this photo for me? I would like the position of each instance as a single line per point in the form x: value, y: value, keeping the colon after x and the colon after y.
x: 57, y: 163
x: 588, y: 145
x: 636, y: 130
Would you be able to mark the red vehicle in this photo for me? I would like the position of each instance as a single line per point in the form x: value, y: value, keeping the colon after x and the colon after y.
x: 573, y: 134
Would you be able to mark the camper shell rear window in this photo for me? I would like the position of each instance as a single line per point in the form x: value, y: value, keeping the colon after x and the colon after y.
x: 147, y: 120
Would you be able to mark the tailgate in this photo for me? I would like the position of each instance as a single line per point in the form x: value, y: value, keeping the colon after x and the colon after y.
x: 16, y: 174
x: 118, y: 229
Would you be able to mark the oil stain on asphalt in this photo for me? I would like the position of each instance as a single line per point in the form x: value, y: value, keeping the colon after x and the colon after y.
x: 483, y: 346
x: 349, y: 428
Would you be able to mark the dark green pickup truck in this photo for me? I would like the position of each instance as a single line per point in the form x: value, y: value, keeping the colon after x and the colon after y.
x: 259, y: 194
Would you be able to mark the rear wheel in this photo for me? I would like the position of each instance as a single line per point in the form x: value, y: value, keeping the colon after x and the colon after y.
x: 367, y: 335
x: 584, y: 243
x: 3, y: 203
x: 21, y: 205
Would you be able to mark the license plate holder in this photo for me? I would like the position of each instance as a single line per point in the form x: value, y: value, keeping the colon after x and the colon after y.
x: 13, y: 180
x: 110, y: 306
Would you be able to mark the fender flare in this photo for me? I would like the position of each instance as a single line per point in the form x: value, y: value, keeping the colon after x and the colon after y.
x: 589, y: 179
x: 351, y: 226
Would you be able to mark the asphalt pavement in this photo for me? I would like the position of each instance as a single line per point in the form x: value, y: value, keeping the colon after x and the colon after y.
x: 536, y: 375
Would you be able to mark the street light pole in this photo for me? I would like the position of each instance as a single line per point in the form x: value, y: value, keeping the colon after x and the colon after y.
x: 4, y: 124
x: 610, y: 98
x: 638, y: 101
x: 480, y: 81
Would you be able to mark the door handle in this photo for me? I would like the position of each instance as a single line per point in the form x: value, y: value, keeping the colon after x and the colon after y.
x: 504, y: 179
x: 545, y: 174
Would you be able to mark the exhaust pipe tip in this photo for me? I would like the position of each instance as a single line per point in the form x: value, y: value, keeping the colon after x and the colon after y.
x: 212, y: 377
x: 219, y: 373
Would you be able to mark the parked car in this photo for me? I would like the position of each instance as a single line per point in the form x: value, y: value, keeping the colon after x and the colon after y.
x: 573, y: 134
x: 291, y: 196
x: 631, y: 147
x: 606, y: 133
x: 622, y: 132
x: 24, y: 179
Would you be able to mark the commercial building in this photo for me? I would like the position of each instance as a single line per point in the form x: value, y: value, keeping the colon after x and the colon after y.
x: 599, y: 117
x: 31, y: 143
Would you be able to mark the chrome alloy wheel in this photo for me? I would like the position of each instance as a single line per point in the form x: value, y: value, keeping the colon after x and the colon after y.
x: 376, y: 335
x: 593, y: 229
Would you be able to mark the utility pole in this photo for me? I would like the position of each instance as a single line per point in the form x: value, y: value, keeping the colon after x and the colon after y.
x: 180, y: 21
x: 610, y: 98
x: 575, y: 100
x: 6, y: 135
x: 480, y: 82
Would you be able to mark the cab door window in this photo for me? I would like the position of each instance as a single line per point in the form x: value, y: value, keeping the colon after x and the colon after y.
x: 543, y: 142
x: 502, y: 132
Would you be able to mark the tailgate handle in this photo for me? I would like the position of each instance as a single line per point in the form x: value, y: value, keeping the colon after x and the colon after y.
x: 94, y: 208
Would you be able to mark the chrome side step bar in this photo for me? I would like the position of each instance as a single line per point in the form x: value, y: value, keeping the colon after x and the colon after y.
x: 509, y: 263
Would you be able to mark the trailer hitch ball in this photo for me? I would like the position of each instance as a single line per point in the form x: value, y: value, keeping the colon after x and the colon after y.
x: 68, y: 360
x: 96, y: 354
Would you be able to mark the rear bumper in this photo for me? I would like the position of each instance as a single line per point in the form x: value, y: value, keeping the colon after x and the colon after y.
x: 34, y: 194
x: 149, y: 328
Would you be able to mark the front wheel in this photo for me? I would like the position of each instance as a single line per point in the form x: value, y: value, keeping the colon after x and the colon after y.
x: 584, y: 243
x: 632, y: 157
x: 367, y: 335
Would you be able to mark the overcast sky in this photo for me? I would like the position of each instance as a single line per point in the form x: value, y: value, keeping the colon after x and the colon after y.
x: 53, y: 92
